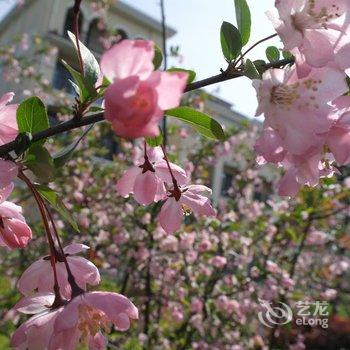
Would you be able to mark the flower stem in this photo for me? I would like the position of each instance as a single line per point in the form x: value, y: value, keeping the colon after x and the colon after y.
x: 176, y: 191
x: 76, y: 290
x: 58, y: 298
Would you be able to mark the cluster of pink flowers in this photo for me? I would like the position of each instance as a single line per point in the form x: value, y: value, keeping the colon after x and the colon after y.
x: 137, y: 97
x: 154, y: 179
x: 306, y: 124
x: 57, y: 323
x: 14, y: 232
x: 80, y: 318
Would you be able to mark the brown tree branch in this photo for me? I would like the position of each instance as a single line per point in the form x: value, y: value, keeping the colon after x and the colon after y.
x: 92, y: 119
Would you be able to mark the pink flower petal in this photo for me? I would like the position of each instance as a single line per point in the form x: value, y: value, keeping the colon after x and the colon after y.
x: 125, y: 184
x: 170, y: 216
x: 128, y: 58
x: 75, y: 248
x: 145, y: 188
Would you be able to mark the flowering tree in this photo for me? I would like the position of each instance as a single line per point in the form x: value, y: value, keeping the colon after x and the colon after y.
x: 192, y: 280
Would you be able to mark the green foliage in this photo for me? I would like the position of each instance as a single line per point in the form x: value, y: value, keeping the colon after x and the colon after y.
x: 53, y: 198
x: 260, y: 66
x: 155, y: 141
x: 273, y: 54
x: 91, y: 67
x: 39, y: 161
x: 202, y: 122
x: 79, y: 84
x: 250, y: 70
x: 63, y: 156
x: 243, y: 18
x: 158, y: 57
x: 231, y: 41
x: 191, y: 74
x: 287, y: 55
x: 32, y: 117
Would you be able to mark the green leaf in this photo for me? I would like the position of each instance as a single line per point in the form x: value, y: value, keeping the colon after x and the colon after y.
x: 260, y: 65
x: 155, y: 141
x: 94, y: 109
x: 83, y: 92
x: 62, y: 157
x: 39, y: 161
x: 287, y: 55
x: 191, y: 74
x: 292, y: 233
x: 202, y: 122
x: 273, y: 54
x: 32, y: 117
x: 90, y: 64
x: 231, y: 41
x: 250, y: 70
x: 158, y: 57
x: 103, y: 87
x: 53, y: 198
x: 243, y: 20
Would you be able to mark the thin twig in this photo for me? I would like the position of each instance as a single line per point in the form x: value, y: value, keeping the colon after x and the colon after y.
x: 76, y: 10
x: 255, y: 45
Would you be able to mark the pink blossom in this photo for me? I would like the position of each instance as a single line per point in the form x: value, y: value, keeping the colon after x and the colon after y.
x: 8, y: 172
x: 14, y: 232
x: 329, y: 294
x: 226, y: 305
x: 137, y: 97
x: 338, y: 138
x: 315, y: 28
x: 187, y: 240
x: 269, y: 146
x: 287, y: 282
x: 316, y: 238
x: 90, y: 312
x: 180, y: 200
x: 218, y: 261
x: 196, y: 305
x: 205, y: 245
x: 272, y: 267
x: 305, y: 169
x: 298, y: 109
x: 146, y: 180
x: 79, y: 321
x: 8, y: 122
x: 169, y: 244
x: 177, y: 313
x: 37, y: 331
x: 39, y: 275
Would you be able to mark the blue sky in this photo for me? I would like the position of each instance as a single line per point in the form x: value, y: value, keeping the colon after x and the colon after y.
x: 198, y: 23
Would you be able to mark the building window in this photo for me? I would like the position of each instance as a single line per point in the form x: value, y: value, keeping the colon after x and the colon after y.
x: 227, y: 179
x: 69, y: 23
x: 61, y: 79
x: 95, y: 35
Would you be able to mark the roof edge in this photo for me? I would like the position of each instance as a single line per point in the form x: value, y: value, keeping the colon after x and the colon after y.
x: 142, y: 17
